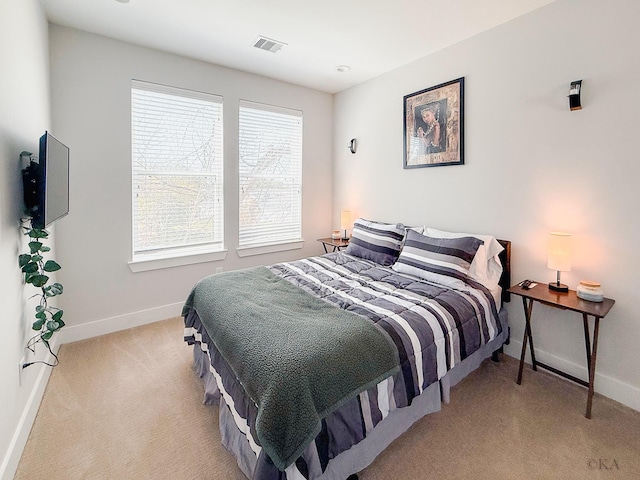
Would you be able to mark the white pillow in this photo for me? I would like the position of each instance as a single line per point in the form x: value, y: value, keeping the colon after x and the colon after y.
x: 486, y: 267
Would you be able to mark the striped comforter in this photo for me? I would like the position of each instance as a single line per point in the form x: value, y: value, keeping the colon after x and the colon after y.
x: 434, y: 328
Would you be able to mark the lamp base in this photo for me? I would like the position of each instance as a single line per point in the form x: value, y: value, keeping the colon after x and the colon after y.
x: 558, y: 287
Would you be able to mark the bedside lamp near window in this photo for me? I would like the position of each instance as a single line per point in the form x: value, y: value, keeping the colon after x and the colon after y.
x: 559, y: 258
x: 345, y: 223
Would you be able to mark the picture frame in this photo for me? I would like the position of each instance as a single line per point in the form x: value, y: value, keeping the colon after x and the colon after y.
x: 434, y: 126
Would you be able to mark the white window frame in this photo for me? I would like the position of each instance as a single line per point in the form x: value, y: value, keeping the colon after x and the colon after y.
x: 208, y: 250
x: 249, y: 119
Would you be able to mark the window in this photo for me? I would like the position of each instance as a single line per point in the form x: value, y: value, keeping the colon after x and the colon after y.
x: 270, y: 147
x: 177, y: 166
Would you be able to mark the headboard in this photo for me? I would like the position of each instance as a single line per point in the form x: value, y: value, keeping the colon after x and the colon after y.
x: 505, y: 279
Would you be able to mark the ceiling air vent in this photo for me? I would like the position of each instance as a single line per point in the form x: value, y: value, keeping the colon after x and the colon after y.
x: 268, y: 44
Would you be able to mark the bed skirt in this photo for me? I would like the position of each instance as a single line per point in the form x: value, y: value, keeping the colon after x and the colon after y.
x: 362, y: 454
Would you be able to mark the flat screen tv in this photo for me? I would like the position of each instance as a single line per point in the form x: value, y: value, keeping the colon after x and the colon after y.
x: 46, y: 183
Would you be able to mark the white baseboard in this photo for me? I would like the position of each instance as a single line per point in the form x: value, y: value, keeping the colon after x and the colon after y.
x: 608, y: 386
x: 73, y: 333
x: 20, y: 436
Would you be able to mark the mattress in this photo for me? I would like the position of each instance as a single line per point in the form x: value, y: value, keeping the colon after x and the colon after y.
x: 441, y: 334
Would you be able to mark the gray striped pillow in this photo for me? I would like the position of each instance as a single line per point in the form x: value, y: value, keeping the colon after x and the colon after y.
x: 375, y: 241
x: 442, y: 260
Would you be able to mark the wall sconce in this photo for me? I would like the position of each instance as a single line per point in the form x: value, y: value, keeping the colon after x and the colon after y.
x: 574, y: 95
x: 352, y: 145
x: 559, y: 258
x: 345, y: 223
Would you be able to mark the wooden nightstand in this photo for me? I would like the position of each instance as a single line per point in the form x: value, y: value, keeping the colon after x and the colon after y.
x: 565, y: 301
x: 338, y: 244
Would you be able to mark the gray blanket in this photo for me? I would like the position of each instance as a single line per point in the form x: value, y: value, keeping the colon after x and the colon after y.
x: 298, y: 357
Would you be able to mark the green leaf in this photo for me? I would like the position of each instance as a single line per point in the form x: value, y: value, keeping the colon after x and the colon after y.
x: 38, y: 233
x: 51, y: 266
x: 30, y: 267
x: 35, y: 246
x: 39, y: 308
x: 41, y: 315
x: 53, y: 290
x: 44, y: 248
x: 36, y: 258
x: 24, y: 259
x: 61, y: 323
x: 53, y: 326
x: 57, y: 316
x: 39, y: 280
x: 47, y: 335
x: 37, y: 325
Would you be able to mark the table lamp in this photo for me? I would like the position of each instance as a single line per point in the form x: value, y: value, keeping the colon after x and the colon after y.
x: 345, y: 223
x: 559, y: 258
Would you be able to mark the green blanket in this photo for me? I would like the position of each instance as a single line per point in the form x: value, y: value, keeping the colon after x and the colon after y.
x: 298, y: 357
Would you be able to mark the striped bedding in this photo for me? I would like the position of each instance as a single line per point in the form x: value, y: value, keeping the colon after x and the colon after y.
x: 434, y: 327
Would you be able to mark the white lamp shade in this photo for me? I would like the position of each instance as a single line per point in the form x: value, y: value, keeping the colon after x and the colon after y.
x: 559, y: 251
x: 345, y: 219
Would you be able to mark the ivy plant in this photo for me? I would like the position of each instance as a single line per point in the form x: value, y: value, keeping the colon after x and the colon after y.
x: 48, y: 319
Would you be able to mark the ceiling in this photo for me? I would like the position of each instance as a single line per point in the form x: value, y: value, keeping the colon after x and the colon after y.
x: 370, y: 36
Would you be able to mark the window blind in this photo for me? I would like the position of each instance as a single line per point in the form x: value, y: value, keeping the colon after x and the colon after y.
x: 177, y: 168
x: 270, y: 170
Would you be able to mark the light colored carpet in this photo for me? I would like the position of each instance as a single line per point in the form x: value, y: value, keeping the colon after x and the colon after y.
x: 129, y: 406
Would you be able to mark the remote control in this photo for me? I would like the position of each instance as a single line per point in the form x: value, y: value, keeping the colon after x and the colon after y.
x: 526, y: 284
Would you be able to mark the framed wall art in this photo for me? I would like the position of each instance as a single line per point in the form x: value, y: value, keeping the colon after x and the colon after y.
x: 434, y: 126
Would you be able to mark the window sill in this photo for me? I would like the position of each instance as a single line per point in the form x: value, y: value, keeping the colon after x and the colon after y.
x: 270, y: 248
x: 146, y: 264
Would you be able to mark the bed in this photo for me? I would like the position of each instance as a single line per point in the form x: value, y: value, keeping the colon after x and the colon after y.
x: 317, y: 365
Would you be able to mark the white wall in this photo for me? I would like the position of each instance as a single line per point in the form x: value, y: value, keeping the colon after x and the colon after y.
x: 91, y: 81
x: 531, y: 165
x: 24, y: 116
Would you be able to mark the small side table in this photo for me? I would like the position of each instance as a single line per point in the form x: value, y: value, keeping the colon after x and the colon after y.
x: 565, y: 301
x: 338, y: 244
